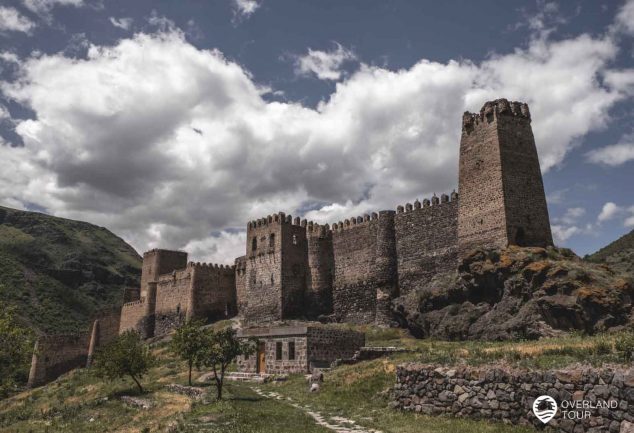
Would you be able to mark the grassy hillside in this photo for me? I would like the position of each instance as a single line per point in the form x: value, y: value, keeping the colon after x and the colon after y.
x: 80, y: 402
x: 619, y: 254
x: 59, y: 272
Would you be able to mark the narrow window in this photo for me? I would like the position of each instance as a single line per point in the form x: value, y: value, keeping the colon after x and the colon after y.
x: 272, y: 280
x: 294, y: 239
x: 272, y: 241
x: 254, y: 244
x: 278, y: 350
x: 291, y: 350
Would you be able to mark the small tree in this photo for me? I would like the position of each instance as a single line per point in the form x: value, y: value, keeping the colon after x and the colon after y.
x: 125, y: 356
x: 223, y: 348
x: 16, y: 350
x: 190, y: 343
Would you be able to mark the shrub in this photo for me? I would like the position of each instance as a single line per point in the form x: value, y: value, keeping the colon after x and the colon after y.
x: 624, y: 344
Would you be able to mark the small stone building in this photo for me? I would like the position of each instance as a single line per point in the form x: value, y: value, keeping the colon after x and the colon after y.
x: 298, y: 349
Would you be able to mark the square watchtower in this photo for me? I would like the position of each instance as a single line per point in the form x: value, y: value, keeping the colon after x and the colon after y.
x: 276, y: 264
x: 502, y: 199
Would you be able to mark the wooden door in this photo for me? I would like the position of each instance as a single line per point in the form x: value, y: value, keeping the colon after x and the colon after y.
x: 261, y: 357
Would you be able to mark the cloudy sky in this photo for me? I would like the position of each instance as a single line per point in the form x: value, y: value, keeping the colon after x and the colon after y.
x: 174, y: 123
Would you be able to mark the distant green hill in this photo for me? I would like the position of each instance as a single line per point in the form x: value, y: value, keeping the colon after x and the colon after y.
x: 60, y: 272
x: 619, y: 254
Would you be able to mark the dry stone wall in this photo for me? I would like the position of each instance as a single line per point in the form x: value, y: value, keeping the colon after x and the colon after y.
x: 492, y: 392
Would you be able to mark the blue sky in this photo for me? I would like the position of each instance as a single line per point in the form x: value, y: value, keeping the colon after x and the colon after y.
x: 173, y: 123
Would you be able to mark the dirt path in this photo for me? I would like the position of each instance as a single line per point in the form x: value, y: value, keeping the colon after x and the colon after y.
x: 335, y: 423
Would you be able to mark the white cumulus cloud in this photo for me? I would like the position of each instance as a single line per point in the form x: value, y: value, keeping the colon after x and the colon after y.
x: 609, y: 211
x: 562, y: 233
x: 245, y: 8
x: 325, y: 65
x: 12, y: 21
x: 615, y: 154
x: 174, y: 146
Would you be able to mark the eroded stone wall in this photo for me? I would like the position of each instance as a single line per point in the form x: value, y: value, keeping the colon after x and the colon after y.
x: 492, y: 392
x: 55, y: 355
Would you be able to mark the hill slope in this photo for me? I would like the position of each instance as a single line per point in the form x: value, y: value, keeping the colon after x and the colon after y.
x: 619, y: 254
x: 59, y: 272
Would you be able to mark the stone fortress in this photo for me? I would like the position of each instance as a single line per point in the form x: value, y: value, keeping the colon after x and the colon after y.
x: 349, y: 271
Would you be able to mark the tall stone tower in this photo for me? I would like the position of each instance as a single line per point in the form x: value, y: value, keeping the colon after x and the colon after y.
x: 276, y: 260
x: 502, y: 200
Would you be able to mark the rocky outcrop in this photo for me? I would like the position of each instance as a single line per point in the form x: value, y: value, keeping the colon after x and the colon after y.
x: 518, y: 293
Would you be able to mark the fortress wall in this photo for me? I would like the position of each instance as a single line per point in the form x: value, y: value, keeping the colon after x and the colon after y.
x: 241, y: 284
x: 426, y: 240
x: 320, y: 271
x: 294, y: 264
x: 55, y: 355
x: 214, y: 292
x: 354, y: 286
x: 264, y: 269
x: 132, y: 316
x: 109, y: 324
x: 173, y: 291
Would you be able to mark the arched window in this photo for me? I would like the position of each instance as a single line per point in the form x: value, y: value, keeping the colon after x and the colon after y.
x: 254, y: 244
x: 272, y: 240
x: 294, y: 239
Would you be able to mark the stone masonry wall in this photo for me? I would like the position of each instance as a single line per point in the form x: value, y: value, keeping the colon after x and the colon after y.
x: 294, y: 263
x: 481, y: 217
x: 55, y: 355
x: 426, y: 240
x: 491, y: 392
x: 354, y: 252
x: 321, y: 267
x: 241, y: 284
x: 173, y: 291
x: 525, y: 201
x: 326, y: 345
x: 273, y: 365
x: 157, y: 262
x: 264, y: 269
x: 132, y: 315
x: 214, y: 292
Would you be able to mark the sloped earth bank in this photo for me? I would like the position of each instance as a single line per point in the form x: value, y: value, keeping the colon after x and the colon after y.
x: 519, y: 293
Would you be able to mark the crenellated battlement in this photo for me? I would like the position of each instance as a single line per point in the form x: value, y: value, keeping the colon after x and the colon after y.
x: 133, y: 303
x: 353, y: 222
x: 428, y: 204
x: 491, y: 110
x: 278, y: 218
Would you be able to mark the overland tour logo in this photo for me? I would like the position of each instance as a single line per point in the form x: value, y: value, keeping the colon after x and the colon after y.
x: 545, y: 408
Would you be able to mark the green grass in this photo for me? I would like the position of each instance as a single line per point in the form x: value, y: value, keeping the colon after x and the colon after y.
x: 34, y: 246
x: 242, y: 410
x: 80, y: 402
x: 361, y: 392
